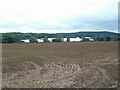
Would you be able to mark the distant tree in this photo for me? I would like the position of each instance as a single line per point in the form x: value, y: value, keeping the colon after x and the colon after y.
x: 55, y: 40
x: 0, y: 39
x: 68, y: 39
x: 46, y: 39
x: 27, y: 36
x: 100, y: 38
x: 85, y: 39
x: 59, y: 39
x: 108, y: 38
x: 33, y: 39
x: 9, y: 39
x: 119, y: 38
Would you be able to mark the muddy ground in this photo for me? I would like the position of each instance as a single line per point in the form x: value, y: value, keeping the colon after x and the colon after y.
x: 60, y: 65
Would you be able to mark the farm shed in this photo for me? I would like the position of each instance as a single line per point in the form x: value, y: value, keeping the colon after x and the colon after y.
x: 26, y: 41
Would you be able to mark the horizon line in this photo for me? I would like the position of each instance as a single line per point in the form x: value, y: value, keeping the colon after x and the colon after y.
x: 62, y: 32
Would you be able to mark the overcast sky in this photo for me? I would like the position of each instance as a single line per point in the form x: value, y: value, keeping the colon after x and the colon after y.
x: 56, y: 16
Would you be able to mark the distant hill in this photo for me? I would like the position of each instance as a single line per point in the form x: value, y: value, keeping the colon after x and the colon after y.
x: 102, y: 33
x: 75, y: 34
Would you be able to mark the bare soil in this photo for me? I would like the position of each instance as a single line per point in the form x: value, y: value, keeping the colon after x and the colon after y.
x: 60, y: 65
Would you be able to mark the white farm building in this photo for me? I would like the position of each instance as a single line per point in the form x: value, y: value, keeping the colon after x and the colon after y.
x: 90, y: 38
x: 26, y: 41
x: 40, y: 40
x: 50, y: 39
x: 77, y: 39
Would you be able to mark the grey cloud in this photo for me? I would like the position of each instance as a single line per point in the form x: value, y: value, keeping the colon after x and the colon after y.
x: 93, y: 22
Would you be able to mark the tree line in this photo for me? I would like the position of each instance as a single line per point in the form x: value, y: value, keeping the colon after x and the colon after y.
x: 17, y: 37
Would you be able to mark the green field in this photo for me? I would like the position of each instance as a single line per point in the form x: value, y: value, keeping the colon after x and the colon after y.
x: 60, y: 65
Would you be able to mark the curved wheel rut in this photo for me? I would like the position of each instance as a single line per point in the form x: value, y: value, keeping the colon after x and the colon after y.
x: 57, y: 75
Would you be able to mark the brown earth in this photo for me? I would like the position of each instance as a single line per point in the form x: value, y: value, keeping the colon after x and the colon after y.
x: 60, y: 65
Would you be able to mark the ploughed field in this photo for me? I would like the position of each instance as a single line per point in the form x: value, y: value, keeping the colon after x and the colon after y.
x: 60, y: 65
